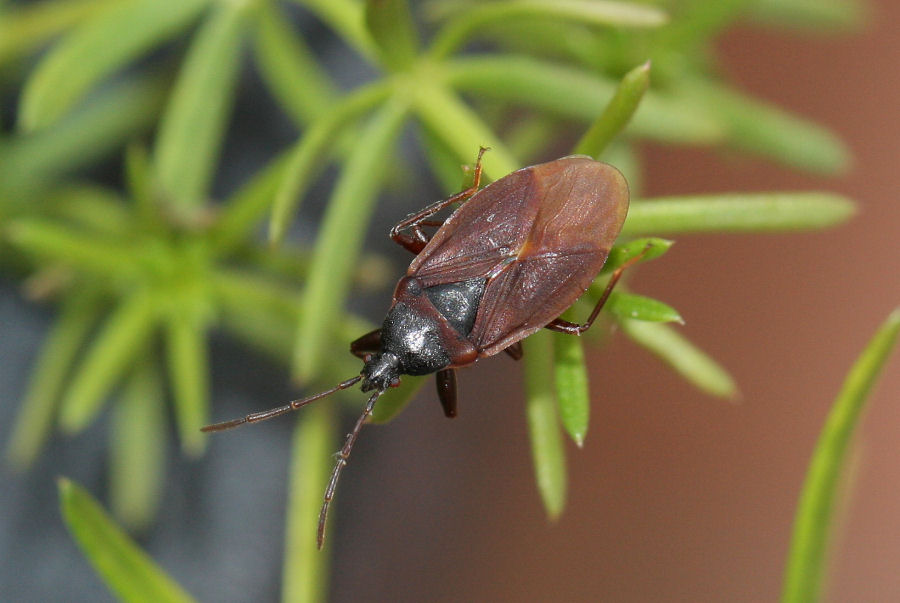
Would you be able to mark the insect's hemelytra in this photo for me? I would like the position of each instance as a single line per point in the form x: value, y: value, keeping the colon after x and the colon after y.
x: 505, y: 264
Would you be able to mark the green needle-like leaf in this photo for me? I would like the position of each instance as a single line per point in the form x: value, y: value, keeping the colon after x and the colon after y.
x: 139, y: 179
x: 445, y: 164
x: 64, y: 245
x: 310, y: 154
x: 305, y: 572
x: 764, y: 129
x: 815, y: 15
x: 137, y: 448
x: 638, y: 307
x: 547, y: 449
x: 462, y: 130
x: 96, y: 49
x: 345, y: 17
x: 265, y: 313
x: 117, y: 112
x: 572, y: 393
x: 680, y: 354
x: 341, y: 237
x: 289, y: 68
x: 575, y: 93
x: 234, y: 287
x: 395, y: 399
x: 189, y: 374
x: 392, y: 28
x: 92, y: 208
x: 112, y: 351
x: 617, y: 113
x: 24, y: 27
x: 596, y: 12
x: 240, y: 214
x: 738, y: 212
x: 806, y: 561
x: 35, y: 420
x: 125, y: 569
x: 193, y: 126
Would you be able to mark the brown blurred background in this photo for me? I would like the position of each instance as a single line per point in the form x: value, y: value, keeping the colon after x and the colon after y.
x: 677, y: 496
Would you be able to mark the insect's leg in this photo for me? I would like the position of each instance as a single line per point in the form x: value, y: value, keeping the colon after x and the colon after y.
x: 367, y: 344
x: 342, y: 456
x: 446, y: 389
x: 416, y: 241
x: 515, y: 351
x: 573, y: 328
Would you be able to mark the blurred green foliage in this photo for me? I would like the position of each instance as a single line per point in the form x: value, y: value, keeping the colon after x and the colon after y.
x: 143, y: 271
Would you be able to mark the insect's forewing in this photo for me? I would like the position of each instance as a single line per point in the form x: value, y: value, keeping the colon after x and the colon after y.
x: 540, y: 236
x: 479, y: 236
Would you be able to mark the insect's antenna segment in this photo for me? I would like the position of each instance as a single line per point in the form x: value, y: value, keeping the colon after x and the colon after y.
x: 342, y: 455
x: 263, y: 415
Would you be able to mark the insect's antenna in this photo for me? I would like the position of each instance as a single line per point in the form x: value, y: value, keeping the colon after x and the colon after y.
x: 342, y: 455
x: 263, y: 415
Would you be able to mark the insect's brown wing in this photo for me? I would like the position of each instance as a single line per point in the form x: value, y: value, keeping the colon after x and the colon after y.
x: 574, y: 211
x: 480, y: 235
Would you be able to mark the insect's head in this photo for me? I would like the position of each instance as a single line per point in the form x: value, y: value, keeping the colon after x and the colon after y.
x: 381, y: 371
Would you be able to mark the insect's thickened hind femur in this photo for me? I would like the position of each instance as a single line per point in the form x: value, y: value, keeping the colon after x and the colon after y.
x: 381, y: 372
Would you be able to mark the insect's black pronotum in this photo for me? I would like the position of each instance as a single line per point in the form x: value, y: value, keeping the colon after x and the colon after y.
x: 508, y: 262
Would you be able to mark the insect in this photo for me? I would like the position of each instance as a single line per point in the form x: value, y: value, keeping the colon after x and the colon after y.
x: 508, y: 262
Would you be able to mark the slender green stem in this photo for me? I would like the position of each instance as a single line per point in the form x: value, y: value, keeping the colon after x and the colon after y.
x: 341, y: 237
x: 576, y: 93
x: 599, y: 12
x: 738, y: 212
x: 241, y: 213
x: 345, y: 17
x: 84, y: 252
x: 35, y: 420
x: 391, y: 26
x: 305, y: 573
x: 462, y: 130
x: 289, y: 68
x: 310, y: 152
x: 813, y: 523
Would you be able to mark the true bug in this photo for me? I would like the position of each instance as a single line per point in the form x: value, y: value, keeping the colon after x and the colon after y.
x: 507, y: 263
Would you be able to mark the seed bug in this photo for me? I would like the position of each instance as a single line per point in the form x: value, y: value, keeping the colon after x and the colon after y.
x: 512, y: 258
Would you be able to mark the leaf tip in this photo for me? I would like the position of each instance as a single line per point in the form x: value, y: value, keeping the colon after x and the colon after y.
x: 70, y: 422
x: 640, y: 75
x: 194, y: 445
x: 554, y: 511
x: 894, y: 317
x: 65, y: 487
